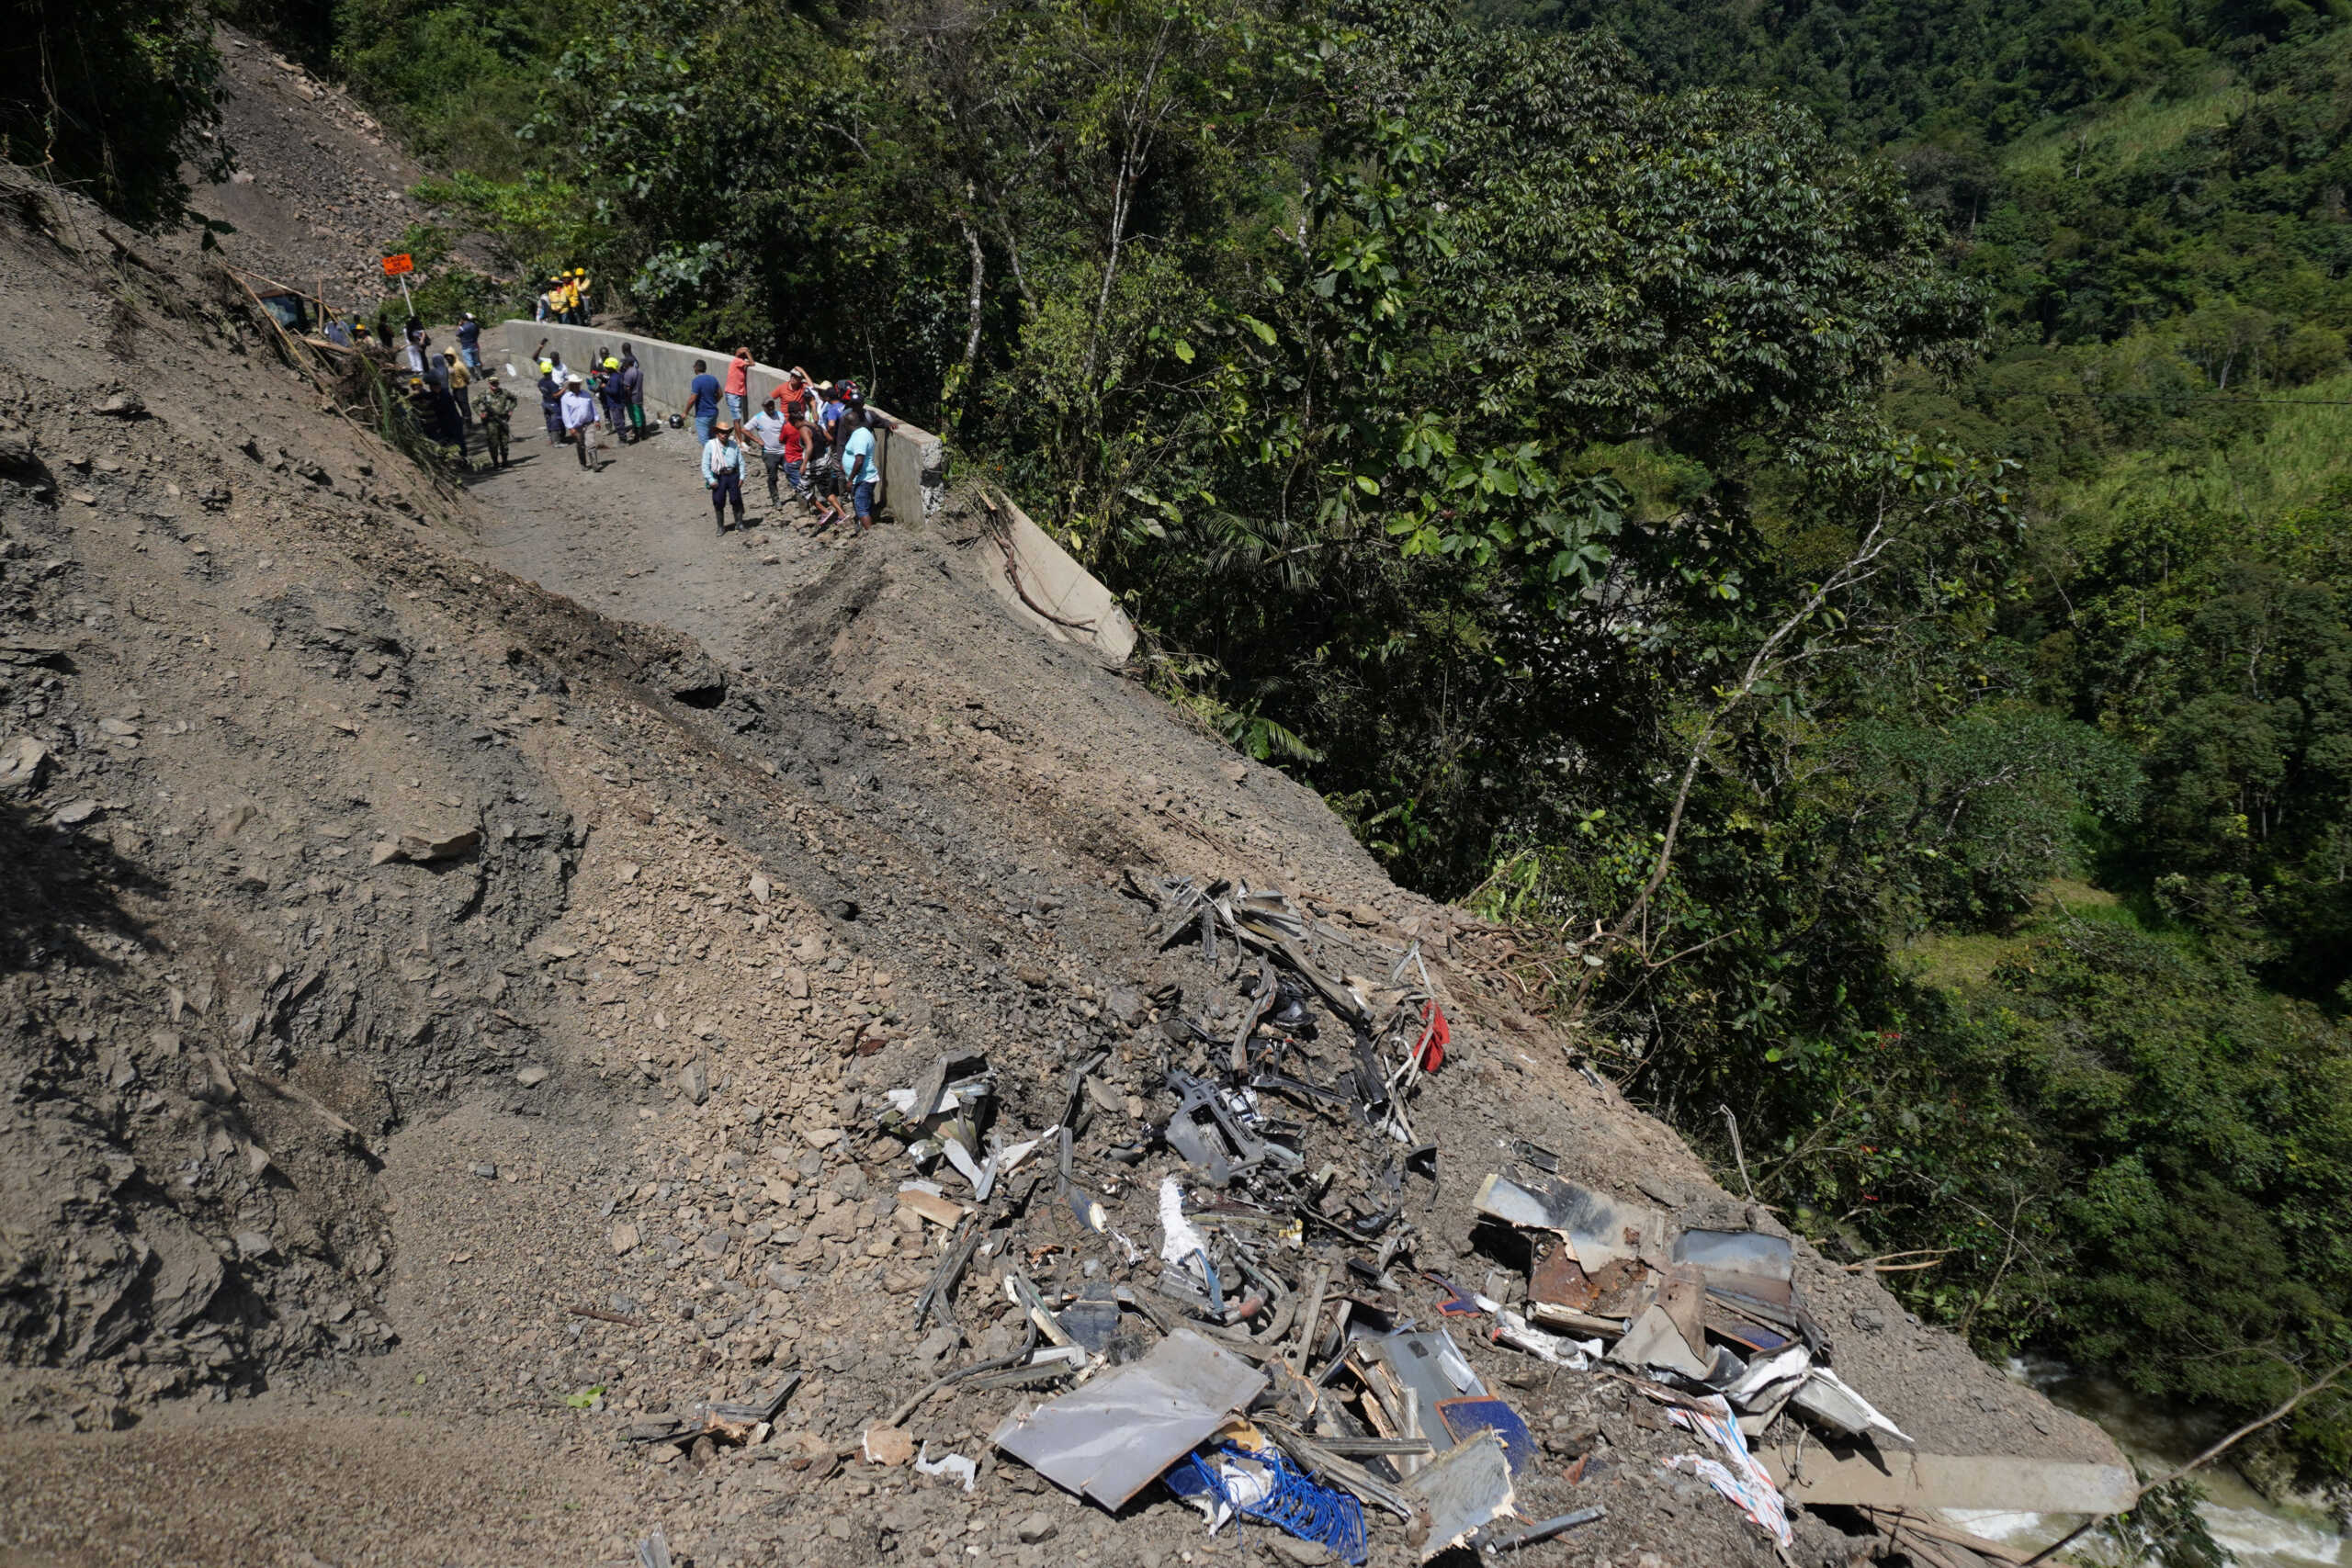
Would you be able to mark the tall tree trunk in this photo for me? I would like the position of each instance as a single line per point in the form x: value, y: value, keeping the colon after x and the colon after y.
x: 959, y: 377
x: 1143, y: 125
x: 972, y: 305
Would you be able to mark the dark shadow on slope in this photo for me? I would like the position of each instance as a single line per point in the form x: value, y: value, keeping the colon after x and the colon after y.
x: 56, y: 887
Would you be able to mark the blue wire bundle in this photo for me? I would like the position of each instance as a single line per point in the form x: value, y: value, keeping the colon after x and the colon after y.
x: 1297, y: 1504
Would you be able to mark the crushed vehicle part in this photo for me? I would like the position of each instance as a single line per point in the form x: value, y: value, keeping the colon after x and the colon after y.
x: 1557, y: 1349
x: 1023, y: 1293
x: 1535, y: 1154
x: 727, y: 1421
x: 939, y: 1295
x: 1601, y: 1229
x: 1826, y: 1397
x: 1747, y: 1266
x: 1770, y: 1380
x: 1426, y: 1368
x: 1091, y: 1321
x: 1110, y: 1437
x: 1304, y: 1092
x: 1050, y: 1365
x: 1205, y: 1134
x: 1320, y: 1460
x: 1540, y: 1531
x: 1458, y: 1302
x: 1558, y: 1282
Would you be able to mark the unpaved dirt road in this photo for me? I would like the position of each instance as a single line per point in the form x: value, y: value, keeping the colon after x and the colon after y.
x: 635, y: 538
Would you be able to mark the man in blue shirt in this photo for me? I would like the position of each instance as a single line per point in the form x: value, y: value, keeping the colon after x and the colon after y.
x: 703, y: 398
x: 857, y: 472
x: 469, y: 340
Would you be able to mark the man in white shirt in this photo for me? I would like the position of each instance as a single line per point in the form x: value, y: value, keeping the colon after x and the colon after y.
x: 722, y: 473
x: 766, y: 428
x: 580, y: 422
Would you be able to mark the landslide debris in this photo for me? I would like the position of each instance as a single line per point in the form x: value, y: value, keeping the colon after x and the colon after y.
x: 429, y: 1000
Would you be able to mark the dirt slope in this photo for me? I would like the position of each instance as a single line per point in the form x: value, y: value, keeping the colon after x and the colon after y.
x: 311, y: 1145
x: 321, y: 191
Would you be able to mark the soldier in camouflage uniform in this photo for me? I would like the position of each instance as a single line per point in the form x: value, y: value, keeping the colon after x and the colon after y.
x: 496, y: 408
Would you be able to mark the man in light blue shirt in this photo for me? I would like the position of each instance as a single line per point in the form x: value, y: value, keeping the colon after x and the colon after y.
x: 857, y: 473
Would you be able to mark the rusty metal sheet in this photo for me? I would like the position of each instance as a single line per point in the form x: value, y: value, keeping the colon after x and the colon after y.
x: 1558, y: 1281
x: 1601, y: 1229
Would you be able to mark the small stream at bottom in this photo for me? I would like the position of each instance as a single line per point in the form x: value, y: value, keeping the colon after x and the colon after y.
x: 2257, y: 1531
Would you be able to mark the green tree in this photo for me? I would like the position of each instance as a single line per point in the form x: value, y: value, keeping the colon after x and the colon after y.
x: 112, y: 100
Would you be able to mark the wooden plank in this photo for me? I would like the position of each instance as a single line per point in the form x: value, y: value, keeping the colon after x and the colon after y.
x: 937, y: 1210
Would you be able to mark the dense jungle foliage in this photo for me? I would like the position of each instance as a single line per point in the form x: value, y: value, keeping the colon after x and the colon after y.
x: 113, y: 98
x: 1827, y: 521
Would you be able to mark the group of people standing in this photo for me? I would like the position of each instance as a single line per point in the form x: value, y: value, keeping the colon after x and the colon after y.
x: 578, y: 408
x: 565, y: 298
x: 816, y: 440
x: 817, y: 437
x: 441, y: 395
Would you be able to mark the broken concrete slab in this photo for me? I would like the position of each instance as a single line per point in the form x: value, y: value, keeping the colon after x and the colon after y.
x: 1047, y: 588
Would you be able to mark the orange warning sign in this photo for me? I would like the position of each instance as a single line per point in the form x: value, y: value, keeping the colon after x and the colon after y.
x: 395, y: 266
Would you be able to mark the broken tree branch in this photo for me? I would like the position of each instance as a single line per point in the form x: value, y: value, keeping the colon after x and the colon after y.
x: 1732, y: 1123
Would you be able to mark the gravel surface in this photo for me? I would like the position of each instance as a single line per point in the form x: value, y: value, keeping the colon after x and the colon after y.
x: 635, y: 538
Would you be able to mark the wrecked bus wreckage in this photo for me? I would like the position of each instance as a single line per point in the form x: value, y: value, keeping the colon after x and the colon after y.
x: 1225, y: 1300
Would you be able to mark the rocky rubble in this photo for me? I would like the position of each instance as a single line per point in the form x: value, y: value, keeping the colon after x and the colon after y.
x: 320, y: 191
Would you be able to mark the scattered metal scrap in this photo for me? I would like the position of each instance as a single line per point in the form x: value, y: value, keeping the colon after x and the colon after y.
x: 729, y: 1422
x: 1287, y: 1362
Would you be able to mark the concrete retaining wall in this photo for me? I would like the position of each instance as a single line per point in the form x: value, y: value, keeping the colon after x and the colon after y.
x: 1030, y: 572
x: 912, y: 463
